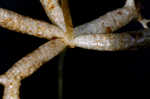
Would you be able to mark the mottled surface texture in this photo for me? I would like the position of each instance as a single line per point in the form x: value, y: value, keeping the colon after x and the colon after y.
x: 95, y: 35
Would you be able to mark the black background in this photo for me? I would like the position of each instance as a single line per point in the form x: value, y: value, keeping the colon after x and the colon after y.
x: 87, y: 73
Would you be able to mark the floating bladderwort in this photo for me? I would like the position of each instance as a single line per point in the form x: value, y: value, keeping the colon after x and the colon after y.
x: 95, y: 35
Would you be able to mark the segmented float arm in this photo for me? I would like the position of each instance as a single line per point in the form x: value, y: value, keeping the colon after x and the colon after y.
x: 28, y: 65
x: 111, y: 21
x: 113, y: 42
x: 54, y: 12
x: 104, y: 42
x: 26, y: 25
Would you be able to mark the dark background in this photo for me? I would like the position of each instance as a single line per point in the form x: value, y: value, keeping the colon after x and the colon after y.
x: 87, y: 73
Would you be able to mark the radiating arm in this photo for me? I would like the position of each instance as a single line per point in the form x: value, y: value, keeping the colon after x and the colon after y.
x: 111, y: 21
x: 54, y: 12
x: 104, y: 42
x: 27, y: 65
x: 26, y: 25
x: 112, y: 42
x: 31, y: 62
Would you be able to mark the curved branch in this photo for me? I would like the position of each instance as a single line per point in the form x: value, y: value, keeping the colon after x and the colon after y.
x: 31, y: 62
x: 111, y: 21
x: 27, y: 65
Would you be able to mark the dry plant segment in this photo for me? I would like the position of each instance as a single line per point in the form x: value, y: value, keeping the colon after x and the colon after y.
x: 28, y: 65
x: 111, y: 21
x: 26, y: 25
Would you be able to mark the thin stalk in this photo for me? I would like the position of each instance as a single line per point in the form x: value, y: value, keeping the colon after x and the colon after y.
x: 60, y: 74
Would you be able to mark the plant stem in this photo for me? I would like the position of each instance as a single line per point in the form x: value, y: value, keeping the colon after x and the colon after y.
x: 60, y: 74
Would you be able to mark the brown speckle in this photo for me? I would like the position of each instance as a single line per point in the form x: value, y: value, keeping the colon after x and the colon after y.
x: 51, y: 7
x: 54, y: 38
x: 119, y: 12
x: 94, y: 36
x: 108, y: 29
